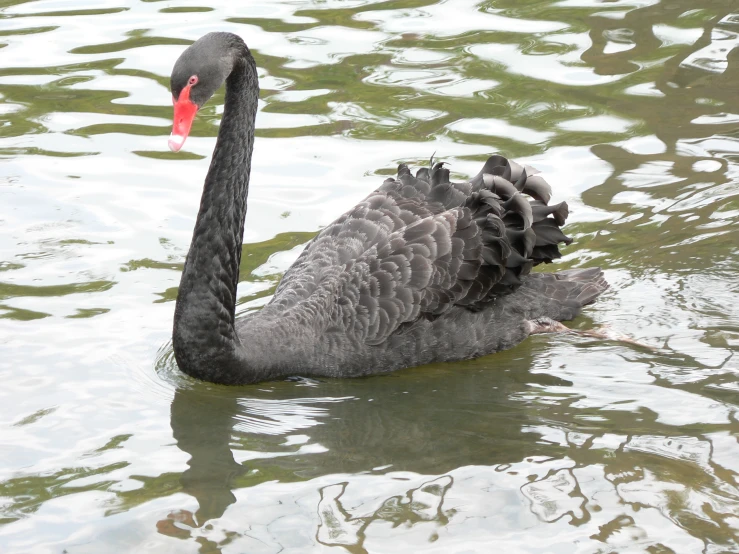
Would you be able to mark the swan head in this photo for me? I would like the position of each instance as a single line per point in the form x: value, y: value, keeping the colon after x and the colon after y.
x: 198, y: 73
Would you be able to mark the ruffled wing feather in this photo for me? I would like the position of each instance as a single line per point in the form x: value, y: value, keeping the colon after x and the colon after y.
x: 420, y: 244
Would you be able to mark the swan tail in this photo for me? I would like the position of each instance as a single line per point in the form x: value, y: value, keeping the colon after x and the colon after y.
x: 560, y: 296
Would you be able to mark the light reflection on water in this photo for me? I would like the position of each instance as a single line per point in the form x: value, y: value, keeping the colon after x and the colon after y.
x: 559, y: 445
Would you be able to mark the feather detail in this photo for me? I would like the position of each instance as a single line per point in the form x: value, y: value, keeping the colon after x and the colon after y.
x: 421, y: 244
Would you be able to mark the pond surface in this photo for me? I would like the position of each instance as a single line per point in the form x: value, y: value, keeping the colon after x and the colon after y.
x: 563, y: 444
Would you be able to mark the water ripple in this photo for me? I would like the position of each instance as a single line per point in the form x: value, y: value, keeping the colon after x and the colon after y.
x: 630, y: 110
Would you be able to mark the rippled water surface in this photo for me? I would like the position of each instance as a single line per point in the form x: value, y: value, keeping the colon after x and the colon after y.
x: 561, y: 445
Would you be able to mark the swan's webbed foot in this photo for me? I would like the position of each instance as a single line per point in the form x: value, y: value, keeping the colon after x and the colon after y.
x: 605, y: 332
x: 542, y: 325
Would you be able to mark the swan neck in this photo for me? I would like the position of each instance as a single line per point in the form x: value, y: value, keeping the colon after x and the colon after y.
x: 205, y: 342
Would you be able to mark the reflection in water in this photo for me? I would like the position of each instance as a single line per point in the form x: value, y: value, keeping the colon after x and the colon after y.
x: 397, y: 425
x: 202, y: 427
x: 631, y: 109
x: 378, y: 456
x: 339, y: 528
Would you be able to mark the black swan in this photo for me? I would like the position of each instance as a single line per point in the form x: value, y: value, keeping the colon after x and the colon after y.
x: 422, y: 270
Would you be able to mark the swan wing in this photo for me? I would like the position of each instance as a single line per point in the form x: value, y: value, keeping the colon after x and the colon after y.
x: 420, y: 245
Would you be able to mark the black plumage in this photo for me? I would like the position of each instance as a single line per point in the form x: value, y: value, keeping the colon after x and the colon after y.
x: 421, y: 270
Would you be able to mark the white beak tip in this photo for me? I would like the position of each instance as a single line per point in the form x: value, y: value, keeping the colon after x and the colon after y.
x: 176, y: 142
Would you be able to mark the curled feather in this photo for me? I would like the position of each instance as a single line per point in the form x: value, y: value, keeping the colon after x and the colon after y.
x: 537, y: 188
x: 421, y: 244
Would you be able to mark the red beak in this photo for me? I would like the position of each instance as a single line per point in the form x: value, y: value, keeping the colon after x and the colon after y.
x: 184, y: 113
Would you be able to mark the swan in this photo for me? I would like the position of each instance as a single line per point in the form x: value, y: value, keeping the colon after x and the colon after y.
x: 422, y: 270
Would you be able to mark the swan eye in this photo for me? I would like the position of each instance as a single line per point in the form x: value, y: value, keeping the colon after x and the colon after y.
x: 192, y: 80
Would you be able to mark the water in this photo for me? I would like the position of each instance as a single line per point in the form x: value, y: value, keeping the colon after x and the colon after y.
x: 561, y: 445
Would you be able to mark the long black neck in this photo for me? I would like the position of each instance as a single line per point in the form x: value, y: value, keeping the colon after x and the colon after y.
x: 205, y: 342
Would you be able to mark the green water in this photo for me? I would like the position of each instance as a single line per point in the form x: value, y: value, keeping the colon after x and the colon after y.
x: 563, y: 444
